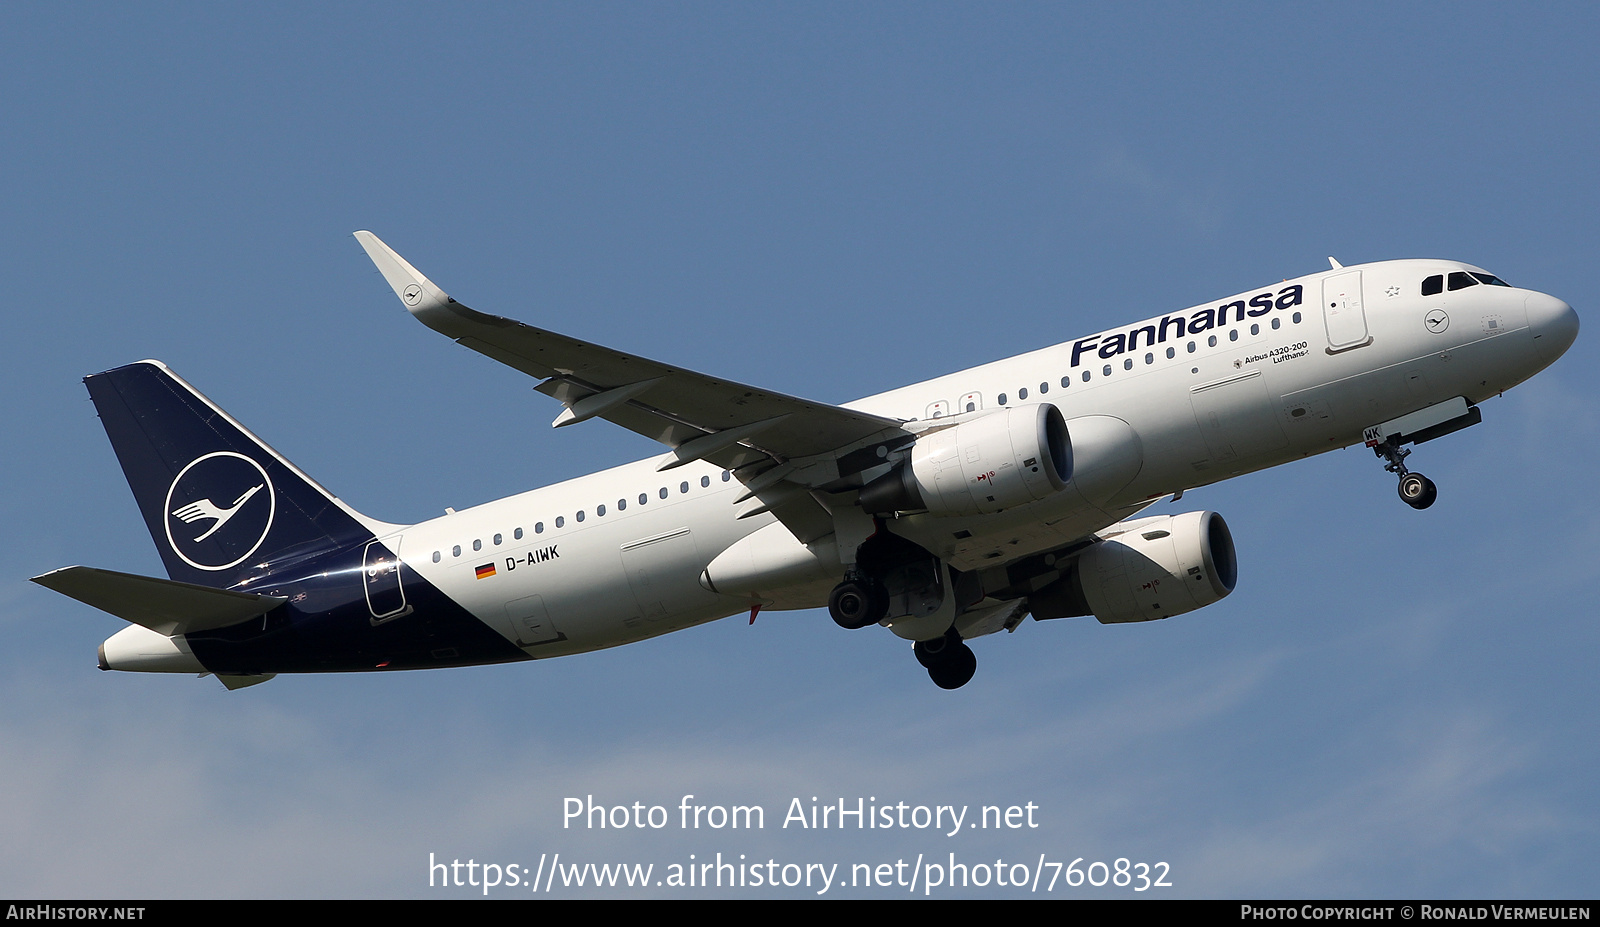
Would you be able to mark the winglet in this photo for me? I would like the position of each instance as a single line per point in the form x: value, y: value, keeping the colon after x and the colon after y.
x: 417, y: 292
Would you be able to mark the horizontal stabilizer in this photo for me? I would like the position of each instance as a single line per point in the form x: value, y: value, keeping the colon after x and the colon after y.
x: 162, y: 605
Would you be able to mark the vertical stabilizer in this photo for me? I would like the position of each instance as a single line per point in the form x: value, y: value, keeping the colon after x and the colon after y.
x: 220, y: 504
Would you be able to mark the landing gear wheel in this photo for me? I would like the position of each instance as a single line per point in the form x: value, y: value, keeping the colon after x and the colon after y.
x: 956, y: 671
x: 949, y: 661
x: 1417, y: 490
x: 928, y: 653
x: 858, y: 603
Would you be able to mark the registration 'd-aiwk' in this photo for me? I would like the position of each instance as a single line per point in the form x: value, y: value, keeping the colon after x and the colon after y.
x: 943, y: 511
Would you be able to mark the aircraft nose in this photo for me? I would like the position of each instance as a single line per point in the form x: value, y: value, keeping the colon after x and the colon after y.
x: 1553, y: 323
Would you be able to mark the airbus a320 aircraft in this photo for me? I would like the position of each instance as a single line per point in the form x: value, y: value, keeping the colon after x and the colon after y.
x: 943, y: 511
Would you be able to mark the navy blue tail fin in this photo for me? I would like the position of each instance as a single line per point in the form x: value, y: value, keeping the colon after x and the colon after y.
x: 220, y: 504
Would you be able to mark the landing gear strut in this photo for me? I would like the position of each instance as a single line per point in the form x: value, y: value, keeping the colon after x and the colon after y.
x: 1416, y: 490
x: 949, y: 661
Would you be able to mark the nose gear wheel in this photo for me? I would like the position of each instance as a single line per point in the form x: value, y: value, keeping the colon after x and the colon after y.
x: 1415, y: 489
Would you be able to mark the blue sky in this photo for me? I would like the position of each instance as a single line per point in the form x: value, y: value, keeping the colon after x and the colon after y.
x: 831, y: 201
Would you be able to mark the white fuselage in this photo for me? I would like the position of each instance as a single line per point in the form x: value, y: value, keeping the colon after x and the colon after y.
x: 1289, y: 370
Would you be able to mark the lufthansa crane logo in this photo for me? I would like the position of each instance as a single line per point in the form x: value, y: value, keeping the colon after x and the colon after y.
x: 219, y: 510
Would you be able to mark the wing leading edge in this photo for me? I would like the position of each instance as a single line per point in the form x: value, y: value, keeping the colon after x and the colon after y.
x: 781, y: 447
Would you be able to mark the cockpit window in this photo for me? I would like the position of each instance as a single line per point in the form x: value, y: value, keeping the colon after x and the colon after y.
x: 1490, y: 279
x: 1460, y: 280
x: 1433, y: 286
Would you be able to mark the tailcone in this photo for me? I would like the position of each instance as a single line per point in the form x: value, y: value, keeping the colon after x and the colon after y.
x: 140, y: 650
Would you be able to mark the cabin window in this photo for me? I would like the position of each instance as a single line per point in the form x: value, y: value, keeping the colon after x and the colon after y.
x: 1065, y: 382
x: 1171, y: 353
x: 1191, y: 347
x: 683, y: 487
x: 1233, y: 334
x: 455, y: 551
x: 643, y: 498
x: 1044, y: 388
x: 579, y: 516
x: 1276, y: 323
x: 1433, y: 286
x: 1211, y: 342
x: 436, y: 556
x: 727, y: 475
x: 561, y: 521
x: 1149, y: 358
x: 477, y: 544
x: 517, y: 534
x: 1127, y: 364
x: 622, y: 504
x: 538, y: 527
x: 1107, y: 371
x: 1002, y: 398
x: 1296, y: 319
x: 497, y: 540
x: 1086, y: 376
x: 705, y: 481
x: 1255, y: 329
x: 599, y: 512
x: 663, y: 492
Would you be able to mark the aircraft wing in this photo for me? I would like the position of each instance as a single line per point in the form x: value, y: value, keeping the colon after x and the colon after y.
x: 781, y: 447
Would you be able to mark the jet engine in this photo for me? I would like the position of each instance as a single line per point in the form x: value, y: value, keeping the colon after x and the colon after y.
x: 983, y: 465
x: 1146, y: 569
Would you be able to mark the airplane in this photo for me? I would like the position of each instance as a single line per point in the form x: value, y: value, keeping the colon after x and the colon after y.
x: 944, y: 511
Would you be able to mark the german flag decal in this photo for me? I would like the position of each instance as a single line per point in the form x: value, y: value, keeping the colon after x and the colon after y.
x: 486, y: 571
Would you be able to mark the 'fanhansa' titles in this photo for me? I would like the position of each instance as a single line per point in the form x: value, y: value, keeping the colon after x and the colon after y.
x: 1177, y: 326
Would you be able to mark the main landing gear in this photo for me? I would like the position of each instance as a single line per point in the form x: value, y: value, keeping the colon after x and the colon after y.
x: 892, y: 573
x: 1416, y: 490
x: 949, y: 661
x: 858, y: 601
x: 863, y: 598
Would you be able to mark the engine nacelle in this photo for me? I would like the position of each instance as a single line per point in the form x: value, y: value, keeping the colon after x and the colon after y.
x: 988, y: 464
x: 1150, y: 568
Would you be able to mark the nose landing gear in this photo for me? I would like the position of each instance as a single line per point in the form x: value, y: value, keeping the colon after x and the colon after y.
x: 1415, y: 489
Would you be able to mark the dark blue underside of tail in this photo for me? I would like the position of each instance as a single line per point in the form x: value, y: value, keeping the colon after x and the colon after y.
x: 327, y: 627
